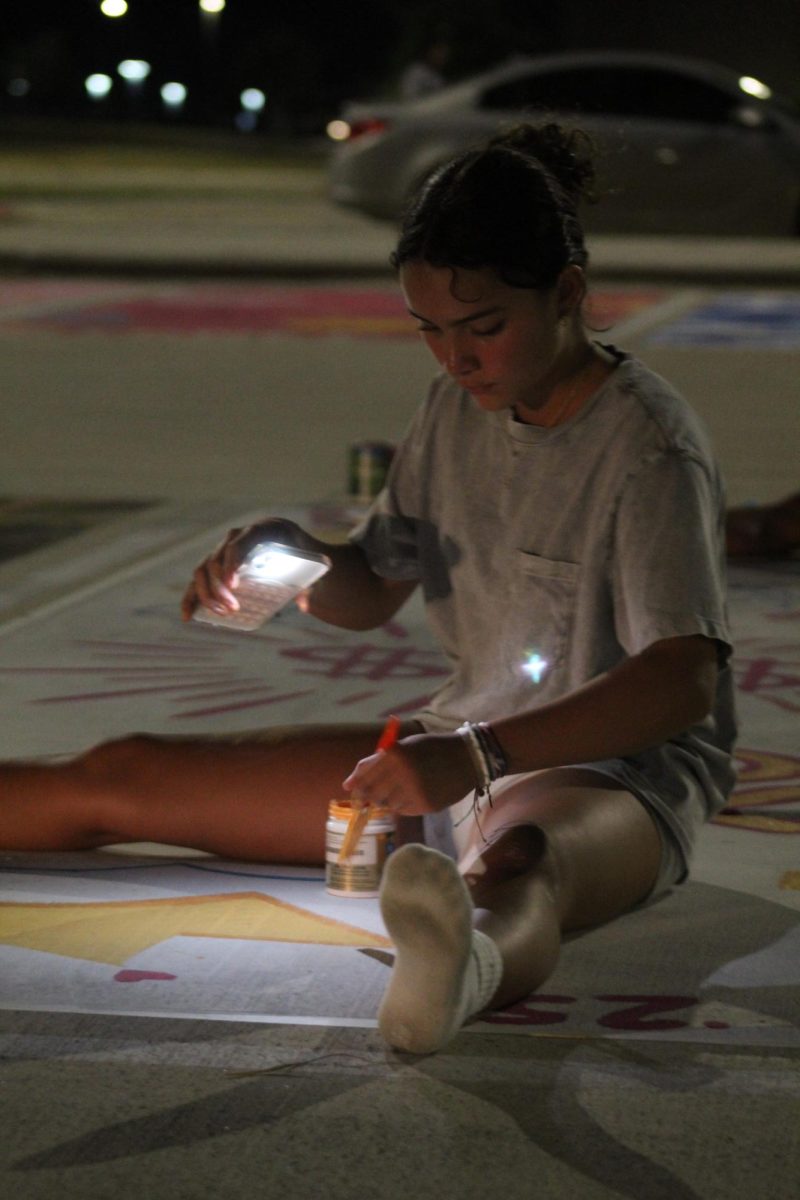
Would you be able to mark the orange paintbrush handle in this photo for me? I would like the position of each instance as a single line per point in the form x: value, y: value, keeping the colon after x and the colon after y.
x: 391, y: 732
x: 360, y: 816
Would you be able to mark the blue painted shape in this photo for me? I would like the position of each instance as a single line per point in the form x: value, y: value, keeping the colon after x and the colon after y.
x: 752, y: 320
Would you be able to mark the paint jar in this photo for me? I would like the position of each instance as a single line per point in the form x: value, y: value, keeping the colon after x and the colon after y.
x: 367, y: 467
x: 360, y: 874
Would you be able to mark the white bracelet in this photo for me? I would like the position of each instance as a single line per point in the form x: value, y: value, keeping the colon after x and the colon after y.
x: 466, y: 732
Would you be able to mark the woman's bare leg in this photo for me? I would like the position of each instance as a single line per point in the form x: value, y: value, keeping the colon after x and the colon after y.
x: 593, y: 853
x: 258, y: 797
x: 563, y: 851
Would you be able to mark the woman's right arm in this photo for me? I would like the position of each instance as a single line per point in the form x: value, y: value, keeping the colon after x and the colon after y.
x: 351, y: 595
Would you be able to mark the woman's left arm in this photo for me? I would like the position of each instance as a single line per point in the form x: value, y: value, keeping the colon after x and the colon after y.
x: 641, y: 702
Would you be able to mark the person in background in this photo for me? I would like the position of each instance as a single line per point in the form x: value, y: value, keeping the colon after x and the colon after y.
x: 425, y: 75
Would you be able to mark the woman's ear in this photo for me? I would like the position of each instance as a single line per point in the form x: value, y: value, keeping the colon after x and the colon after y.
x: 570, y: 290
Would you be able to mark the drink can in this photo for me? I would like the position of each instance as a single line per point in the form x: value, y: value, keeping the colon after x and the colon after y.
x: 360, y: 874
x: 368, y: 466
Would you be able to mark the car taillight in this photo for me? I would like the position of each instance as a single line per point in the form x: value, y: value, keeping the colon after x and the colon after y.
x: 368, y: 125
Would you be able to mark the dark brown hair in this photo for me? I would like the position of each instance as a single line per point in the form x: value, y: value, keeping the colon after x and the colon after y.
x: 510, y: 206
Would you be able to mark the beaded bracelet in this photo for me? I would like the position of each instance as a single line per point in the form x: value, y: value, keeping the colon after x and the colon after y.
x: 494, y: 752
x: 488, y: 757
x: 469, y: 735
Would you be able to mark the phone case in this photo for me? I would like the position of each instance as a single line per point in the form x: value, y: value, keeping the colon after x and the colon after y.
x: 270, y: 577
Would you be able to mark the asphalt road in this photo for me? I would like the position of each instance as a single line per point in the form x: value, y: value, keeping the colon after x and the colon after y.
x: 207, y: 210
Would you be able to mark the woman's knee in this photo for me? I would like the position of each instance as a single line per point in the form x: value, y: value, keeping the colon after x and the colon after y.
x: 513, y: 851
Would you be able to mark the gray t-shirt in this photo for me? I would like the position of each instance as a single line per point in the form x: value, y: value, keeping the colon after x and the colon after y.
x: 546, y: 556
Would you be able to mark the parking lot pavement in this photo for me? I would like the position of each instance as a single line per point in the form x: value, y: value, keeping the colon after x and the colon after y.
x: 304, y: 235
x: 148, y: 211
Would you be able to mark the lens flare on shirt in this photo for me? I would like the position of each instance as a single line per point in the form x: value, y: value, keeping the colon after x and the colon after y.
x: 535, y: 666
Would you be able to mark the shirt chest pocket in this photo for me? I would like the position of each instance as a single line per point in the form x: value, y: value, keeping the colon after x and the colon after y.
x: 543, y: 609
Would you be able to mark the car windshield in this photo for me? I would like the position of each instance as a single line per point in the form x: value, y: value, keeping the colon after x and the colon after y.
x: 620, y: 91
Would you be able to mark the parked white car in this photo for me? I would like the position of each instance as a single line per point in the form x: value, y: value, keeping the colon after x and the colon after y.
x: 684, y: 146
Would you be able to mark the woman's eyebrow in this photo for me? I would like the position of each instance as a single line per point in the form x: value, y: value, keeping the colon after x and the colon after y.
x: 475, y: 316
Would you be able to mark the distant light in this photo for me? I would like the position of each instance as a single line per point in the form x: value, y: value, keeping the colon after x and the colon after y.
x: 113, y: 8
x: 754, y: 87
x: 338, y: 131
x: 18, y: 87
x: 535, y: 666
x: 253, y: 99
x: 173, y: 94
x: 212, y: 6
x: 98, y: 86
x: 134, y: 69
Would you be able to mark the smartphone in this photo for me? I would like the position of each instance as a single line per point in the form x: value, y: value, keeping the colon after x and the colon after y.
x: 269, y: 578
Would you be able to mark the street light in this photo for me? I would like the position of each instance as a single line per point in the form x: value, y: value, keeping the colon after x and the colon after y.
x: 173, y: 95
x: 133, y: 70
x: 252, y: 101
x: 98, y: 86
x: 210, y: 12
x: 114, y: 8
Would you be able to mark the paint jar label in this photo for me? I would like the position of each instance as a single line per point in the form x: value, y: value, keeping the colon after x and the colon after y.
x: 360, y: 873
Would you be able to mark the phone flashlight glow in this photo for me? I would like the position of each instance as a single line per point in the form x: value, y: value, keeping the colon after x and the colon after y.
x: 276, y: 563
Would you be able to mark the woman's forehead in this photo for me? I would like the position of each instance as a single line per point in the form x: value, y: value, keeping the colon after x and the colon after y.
x: 456, y: 289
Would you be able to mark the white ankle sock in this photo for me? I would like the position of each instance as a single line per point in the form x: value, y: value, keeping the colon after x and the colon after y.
x: 445, y: 971
x: 484, y: 972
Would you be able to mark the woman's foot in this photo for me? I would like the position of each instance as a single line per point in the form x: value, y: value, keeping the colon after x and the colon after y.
x: 444, y: 972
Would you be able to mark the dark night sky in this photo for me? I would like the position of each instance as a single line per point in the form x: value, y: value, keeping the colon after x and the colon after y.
x: 309, y: 55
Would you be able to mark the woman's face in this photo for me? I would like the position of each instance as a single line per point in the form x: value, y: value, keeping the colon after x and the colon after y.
x: 507, y: 346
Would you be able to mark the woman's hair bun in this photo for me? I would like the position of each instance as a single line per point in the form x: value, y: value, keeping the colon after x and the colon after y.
x: 566, y: 153
x: 510, y: 205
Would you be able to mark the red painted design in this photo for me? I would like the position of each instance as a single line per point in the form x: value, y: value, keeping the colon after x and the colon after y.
x: 369, y: 661
x: 261, y: 702
x: 640, y: 1016
x: 395, y: 629
x: 137, y: 976
x: 238, y: 308
x: 771, y: 680
x: 529, y: 1012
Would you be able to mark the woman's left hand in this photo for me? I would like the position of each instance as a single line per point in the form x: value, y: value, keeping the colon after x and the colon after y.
x: 421, y: 774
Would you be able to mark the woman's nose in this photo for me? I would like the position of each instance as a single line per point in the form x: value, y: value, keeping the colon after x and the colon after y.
x: 459, y: 358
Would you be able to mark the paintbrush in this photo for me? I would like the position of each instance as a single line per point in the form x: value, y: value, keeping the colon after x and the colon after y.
x: 360, y: 816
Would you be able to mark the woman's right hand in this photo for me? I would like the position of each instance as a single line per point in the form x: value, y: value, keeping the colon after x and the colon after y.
x: 213, y: 579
